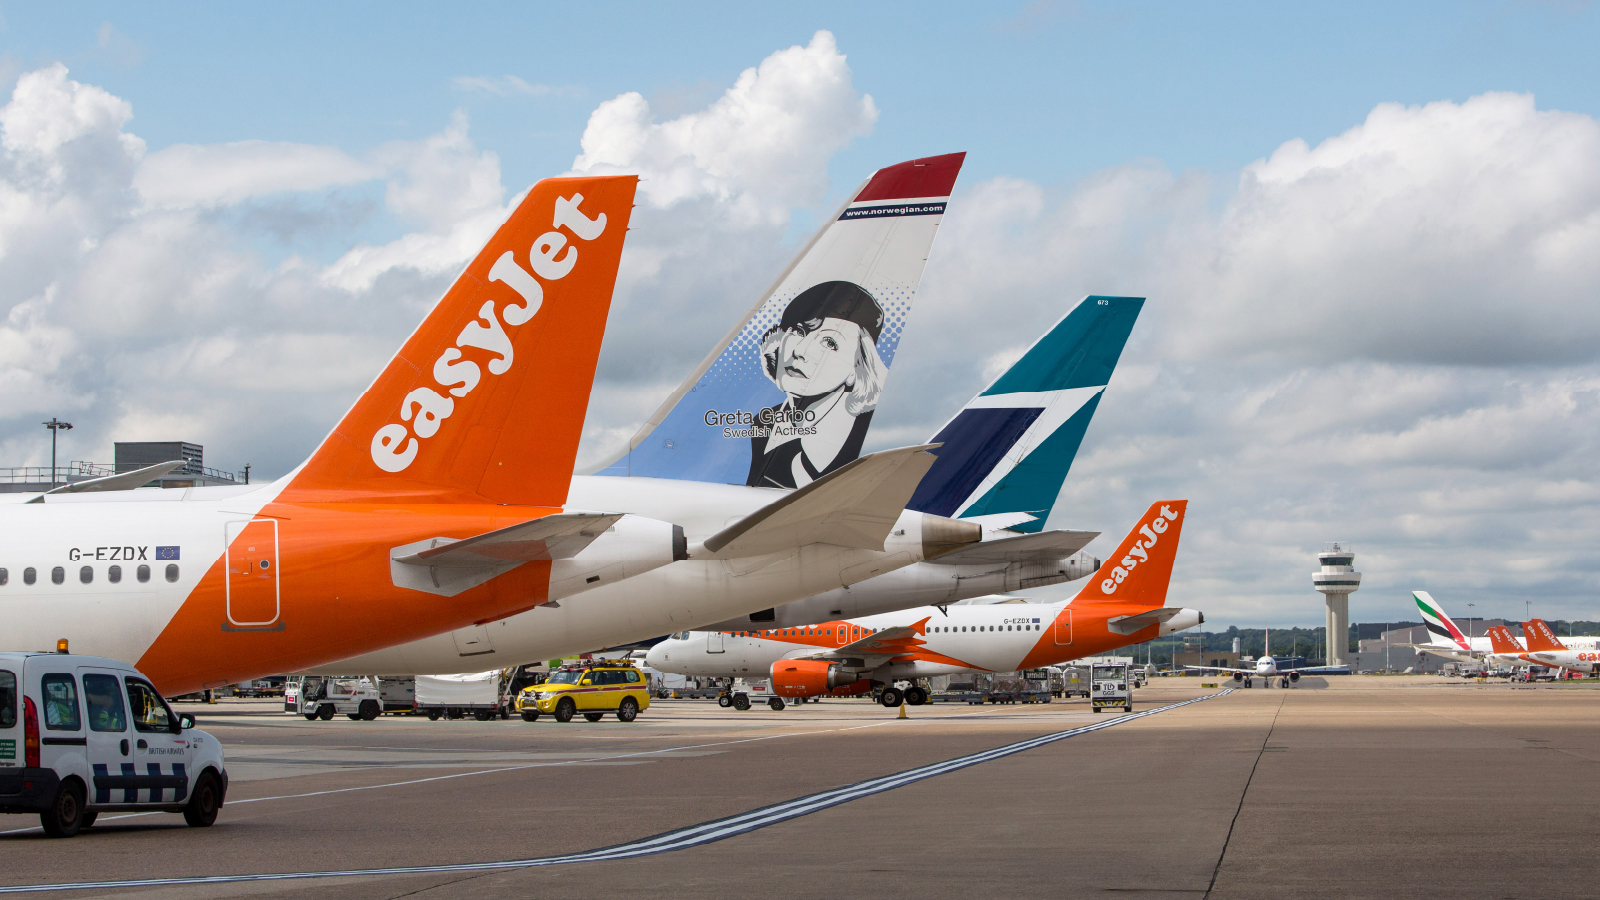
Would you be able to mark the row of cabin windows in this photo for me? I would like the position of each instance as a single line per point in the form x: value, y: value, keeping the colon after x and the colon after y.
x: 825, y: 632
x: 58, y: 575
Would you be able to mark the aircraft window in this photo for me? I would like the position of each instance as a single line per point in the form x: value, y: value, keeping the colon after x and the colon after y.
x: 5, y: 577
x: 142, y: 573
x: 8, y: 699
x: 86, y: 574
x: 60, y: 702
x: 29, y: 576
x: 150, y: 713
x: 104, y: 696
x: 58, y: 575
x: 172, y: 572
x: 114, y: 574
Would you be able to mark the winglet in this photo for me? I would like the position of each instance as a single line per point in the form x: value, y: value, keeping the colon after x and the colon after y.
x: 1142, y: 566
x: 1540, y: 638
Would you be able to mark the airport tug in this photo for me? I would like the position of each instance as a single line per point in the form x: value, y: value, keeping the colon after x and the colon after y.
x: 1108, y: 685
x: 591, y: 687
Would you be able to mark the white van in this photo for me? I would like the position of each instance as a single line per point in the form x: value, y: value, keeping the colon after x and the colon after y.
x: 82, y: 735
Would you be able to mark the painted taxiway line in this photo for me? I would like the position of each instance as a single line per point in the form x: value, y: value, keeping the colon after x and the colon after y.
x: 667, y: 841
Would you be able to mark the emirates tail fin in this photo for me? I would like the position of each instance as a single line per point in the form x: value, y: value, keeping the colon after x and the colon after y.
x: 1142, y: 566
x: 1440, y: 628
x: 486, y: 399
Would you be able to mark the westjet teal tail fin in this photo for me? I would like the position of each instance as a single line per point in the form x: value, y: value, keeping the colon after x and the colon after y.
x: 1010, y: 449
x: 788, y: 394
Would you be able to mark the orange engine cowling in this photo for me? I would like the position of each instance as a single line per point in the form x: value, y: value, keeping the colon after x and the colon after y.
x: 808, y: 677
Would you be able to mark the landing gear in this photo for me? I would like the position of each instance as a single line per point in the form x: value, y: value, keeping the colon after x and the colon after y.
x: 916, y: 696
x: 741, y: 702
x: 775, y: 702
x: 1283, y: 683
x: 890, y: 697
x: 1247, y: 682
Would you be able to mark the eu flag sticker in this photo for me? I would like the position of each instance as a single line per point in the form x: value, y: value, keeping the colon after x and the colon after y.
x: 166, y: 553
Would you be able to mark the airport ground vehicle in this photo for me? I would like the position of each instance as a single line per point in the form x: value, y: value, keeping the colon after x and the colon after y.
x: 483, y: 695
x: 325, y: 696
x: 592, y: 688
x: 1110, y: 687
x: 82, y: 735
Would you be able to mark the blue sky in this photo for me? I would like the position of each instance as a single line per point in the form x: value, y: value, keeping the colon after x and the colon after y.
x: 1369, y: 235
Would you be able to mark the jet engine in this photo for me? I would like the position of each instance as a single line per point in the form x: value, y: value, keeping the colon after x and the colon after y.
x: 1294, y: 676
x: 810, y: 677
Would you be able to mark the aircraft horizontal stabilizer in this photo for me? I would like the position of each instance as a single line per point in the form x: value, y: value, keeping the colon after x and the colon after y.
x: 122, y: 481
x: 855, y: 506
x: 560, y: 536
x: 1130, y: 624
x: 1044, y: 546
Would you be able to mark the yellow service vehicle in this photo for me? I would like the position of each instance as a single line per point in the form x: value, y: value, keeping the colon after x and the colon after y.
x: 592, y: 687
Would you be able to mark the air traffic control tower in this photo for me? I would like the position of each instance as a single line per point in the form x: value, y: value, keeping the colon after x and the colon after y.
x: 1336, y: 581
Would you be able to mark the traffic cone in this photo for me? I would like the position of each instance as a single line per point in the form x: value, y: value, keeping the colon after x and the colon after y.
x: 903, y: 711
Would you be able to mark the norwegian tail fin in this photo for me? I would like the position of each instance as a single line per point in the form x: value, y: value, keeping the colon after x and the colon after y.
x: 1540, y: 637
x: 788, y: 394
x: 1501, y: 641
x: 1141, y: 569
x: 1010, y: 448
x: 486, y: 399
x: 1440, y: 628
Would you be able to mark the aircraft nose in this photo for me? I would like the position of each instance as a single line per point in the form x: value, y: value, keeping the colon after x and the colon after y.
x: 656, y: 656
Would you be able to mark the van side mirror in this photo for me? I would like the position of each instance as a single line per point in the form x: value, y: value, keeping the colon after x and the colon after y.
x: 185, y: 722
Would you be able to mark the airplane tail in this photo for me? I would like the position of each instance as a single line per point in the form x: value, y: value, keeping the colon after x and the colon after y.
x: 1501, y: 641
x: 1440, y: 628
x: 1142, y: 566
x: 788, y: 394
x: 486, y: 399
x: 1540, y: 637
x: 1010, y: 448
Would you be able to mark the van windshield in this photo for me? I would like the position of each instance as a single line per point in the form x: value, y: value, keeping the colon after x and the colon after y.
x: 563, y: 678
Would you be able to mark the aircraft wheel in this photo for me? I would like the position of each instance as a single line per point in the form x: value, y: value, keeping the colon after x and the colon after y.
x: 775, y: 702
x: 565, y: 710
x: 724, y: 701
x: 890, y: 697
x: 1247, y: 682
x: 916, y: 696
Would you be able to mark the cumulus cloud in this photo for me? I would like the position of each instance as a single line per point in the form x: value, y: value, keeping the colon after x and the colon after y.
x: 762, y: 148
x: 227, y: 174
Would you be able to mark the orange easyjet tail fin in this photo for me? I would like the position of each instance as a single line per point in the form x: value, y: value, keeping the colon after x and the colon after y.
x: 1540, y: 637
x: 1501, y: 641
x: 486, y: 399
x: 1140, y: 569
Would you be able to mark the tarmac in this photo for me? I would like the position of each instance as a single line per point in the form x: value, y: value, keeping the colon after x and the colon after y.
x: 1360, y: 786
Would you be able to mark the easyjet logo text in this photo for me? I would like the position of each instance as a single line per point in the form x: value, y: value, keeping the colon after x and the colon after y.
x: 1140, y: 551
x: 552, y: 258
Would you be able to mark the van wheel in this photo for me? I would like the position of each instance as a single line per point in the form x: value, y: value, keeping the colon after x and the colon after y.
x: 628, y: 711
x: 325, y: 713
x: 565, y: 710
x: 88, y: 819
x: 203, y: 805
x: 433, y: 715
x: 65, y: 815
x: 594, y: 717
x: 482, y: 715
x: 530, y: 717
x: 369, y: 710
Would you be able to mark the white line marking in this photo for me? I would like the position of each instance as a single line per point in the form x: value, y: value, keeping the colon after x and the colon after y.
x: 667, y: 841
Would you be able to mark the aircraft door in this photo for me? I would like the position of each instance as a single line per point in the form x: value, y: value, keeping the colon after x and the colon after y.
x: 1063, y: 628
x: 843, y: 631
x: 714, y: 642
x: 252, y: 564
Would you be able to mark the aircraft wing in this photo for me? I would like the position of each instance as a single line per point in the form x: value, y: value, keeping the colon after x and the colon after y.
x: 1046, y: 546
x: 1222, y: 669
x: 122, y: 481
x: 1446, y: 652
x: 896, y: 641
x: 853, y: 506
x: 559, y: 536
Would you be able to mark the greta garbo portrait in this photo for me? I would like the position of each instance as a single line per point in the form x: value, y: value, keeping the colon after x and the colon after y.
x: 823, y: 354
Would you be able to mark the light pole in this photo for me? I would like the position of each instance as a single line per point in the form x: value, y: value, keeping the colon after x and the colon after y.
x: 55, y: 425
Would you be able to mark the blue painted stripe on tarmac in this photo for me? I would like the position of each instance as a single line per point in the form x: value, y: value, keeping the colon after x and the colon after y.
x: 667, y: 841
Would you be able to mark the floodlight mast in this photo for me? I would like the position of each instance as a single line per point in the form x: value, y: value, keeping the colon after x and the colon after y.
x: 55, y: 425
x: 1336, y: 581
